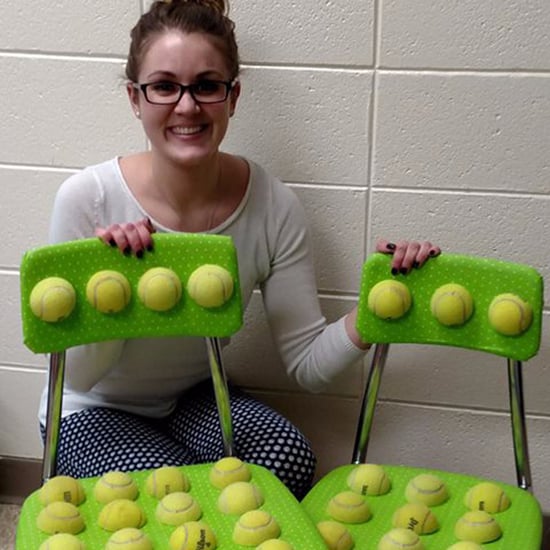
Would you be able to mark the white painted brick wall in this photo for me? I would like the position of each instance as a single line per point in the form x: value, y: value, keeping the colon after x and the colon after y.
x: 425, y: 119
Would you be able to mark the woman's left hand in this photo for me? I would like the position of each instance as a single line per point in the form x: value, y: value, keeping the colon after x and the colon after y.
x: 407, y: 254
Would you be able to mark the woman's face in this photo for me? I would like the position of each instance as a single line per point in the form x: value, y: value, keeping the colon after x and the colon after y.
x: 187, y: 132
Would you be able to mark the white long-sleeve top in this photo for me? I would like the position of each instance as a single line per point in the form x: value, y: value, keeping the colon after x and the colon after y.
x: 147, y: 376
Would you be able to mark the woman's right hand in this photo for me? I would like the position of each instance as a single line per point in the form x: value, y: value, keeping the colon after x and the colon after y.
x: 129, y: 237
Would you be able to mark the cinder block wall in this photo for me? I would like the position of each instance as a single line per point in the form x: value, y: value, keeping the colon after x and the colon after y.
x: 425, y: 119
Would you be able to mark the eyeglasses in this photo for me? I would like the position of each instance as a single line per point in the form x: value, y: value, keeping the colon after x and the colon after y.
x: 165, y: 92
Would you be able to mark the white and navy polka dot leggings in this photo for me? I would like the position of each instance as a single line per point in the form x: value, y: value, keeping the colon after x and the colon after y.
x: 98, y: 440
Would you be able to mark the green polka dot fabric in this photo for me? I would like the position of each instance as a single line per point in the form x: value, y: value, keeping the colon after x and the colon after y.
x: 78, y: 261
x: 521, y: 523
x: 296, y: 527
x: 483, y: 278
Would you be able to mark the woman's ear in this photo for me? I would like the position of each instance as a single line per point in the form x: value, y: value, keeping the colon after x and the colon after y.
x: 235, y: 93
x: 133, y: 96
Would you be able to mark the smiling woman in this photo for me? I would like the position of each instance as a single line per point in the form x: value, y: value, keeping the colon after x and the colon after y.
x: 146, y: 403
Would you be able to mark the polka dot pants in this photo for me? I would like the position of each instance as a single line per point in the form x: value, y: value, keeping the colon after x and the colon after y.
x: 98, y: 440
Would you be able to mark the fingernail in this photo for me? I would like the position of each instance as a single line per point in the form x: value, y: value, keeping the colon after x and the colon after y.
x: 139, y: 254
x: 432, y: 253
x: 127, y: 251
x: 404, y: 270
x: 150, y: 247
x: 394, y: 271
x: 416, y: 265
x: 112, y: 242
x: 391, y: 246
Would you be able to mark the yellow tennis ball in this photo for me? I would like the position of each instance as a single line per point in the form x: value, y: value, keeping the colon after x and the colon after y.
x: 210, y: 285
x: 165, y: 480
x: 478, y: 526
x: 465, y: 545
x: 400, y: 538
x: 228, y: 470
x: 62, y: 488
x: 335, y: 535
x: 510, y: 315
x: 52, y: 299
x: 348, y: 507
x: 119, y: 514
x: 115, y: 485
x: 177, y: 509
x: 129, y: 538
x: 240, y: 497
x: 62, y: 541
x: 159, y: 289
x: 108, y: 291
x: 275, y: 544
x: 60, y: 517
x: 416, y: 517
x: 426, y: 489
x: 255, y: 527
x: 389, y: 299
x: 487, y: 496
x: 193, y: 535
x: 452, y: 305
x: 369, y: 479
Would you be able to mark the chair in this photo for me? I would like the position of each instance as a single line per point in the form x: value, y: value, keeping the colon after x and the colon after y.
x: 454, y: 300
x: 83, y: 291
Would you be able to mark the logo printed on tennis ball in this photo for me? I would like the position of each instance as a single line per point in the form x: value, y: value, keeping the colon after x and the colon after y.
x: 487, y: 496
x: 60, y: 517
x: 178, y: 508
x: 115, y: 485
x: 400, y: 538
x: 389, y: 299
x: 129, y: 538
x: 210, y: 285
x: 62, y: 489
x: 159, y: 289
x: 255, y: 527
x: 62, y: 541
x: 510, y: 315
x: 348, y: 507
x: 416, y: 517
x: 369, y: 479
x: 52, y: 299
x: 335, y: 535
x: 426, y: 489
x: 193, y: 535
x: 478, y: 526
x: 452, y: 305
x: 108, y: 291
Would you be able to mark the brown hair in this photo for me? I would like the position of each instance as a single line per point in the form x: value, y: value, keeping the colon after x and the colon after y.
x: 187, y: 16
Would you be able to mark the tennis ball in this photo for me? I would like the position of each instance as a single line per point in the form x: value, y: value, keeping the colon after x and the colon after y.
x: 478, y: 526
x: 228, y: 470
x: 510, y: 315
x: 465, y: 545
x: 60, y: 517
x: 52, y: 299
x: 178, y: 508
x: 129, y: 538
x: 62, y: 541
x: 240, y: 497
x: 416, y: 517
x: 389, y: 299
x: 255, y: 527
x: 115, y: 485
x: 121, y: 513
x: 400, y: 538
x: 452, y: 305
x: 165, y: 480
x: 335, y: 535
x: 369, y: 479
x: 348, y: 507
x: 193, y: 535
x: 426, y: 489
x: 275, y: 544
x: 62, y: 488
x: 159, y: 289
x: 108, y: 291
x: 210, y: 285
x: 487, y: 496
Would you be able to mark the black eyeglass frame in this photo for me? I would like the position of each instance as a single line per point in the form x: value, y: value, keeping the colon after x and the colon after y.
x: 229, y: 85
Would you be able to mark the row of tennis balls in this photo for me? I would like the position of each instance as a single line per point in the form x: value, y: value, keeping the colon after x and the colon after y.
x: 452, y: 305
x: 53, y: 299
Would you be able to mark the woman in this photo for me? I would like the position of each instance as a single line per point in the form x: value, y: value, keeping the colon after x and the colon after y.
x: 141, y: 404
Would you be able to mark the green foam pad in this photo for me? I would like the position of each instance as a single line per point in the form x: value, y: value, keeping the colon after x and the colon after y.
x: 521, y: 523
x: 77, y: 261
x: 484, y: 278
x: 296, y: 528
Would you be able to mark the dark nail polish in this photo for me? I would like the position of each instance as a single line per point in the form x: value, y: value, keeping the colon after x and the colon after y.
x: 390, y: 246
x: 112, y: 242
x: 404, y: 270
x: 432, y: 253
x: 394, y: 271
x: 139, y: 254
x: 416, y: 265
x: 127, y: 251
x: 150, y: 248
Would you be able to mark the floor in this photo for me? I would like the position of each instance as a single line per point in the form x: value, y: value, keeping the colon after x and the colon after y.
x: 8, y: 521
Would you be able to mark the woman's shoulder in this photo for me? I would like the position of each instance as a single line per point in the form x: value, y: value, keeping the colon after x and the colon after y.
x: 267, y: 184
x: 91, y: 179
